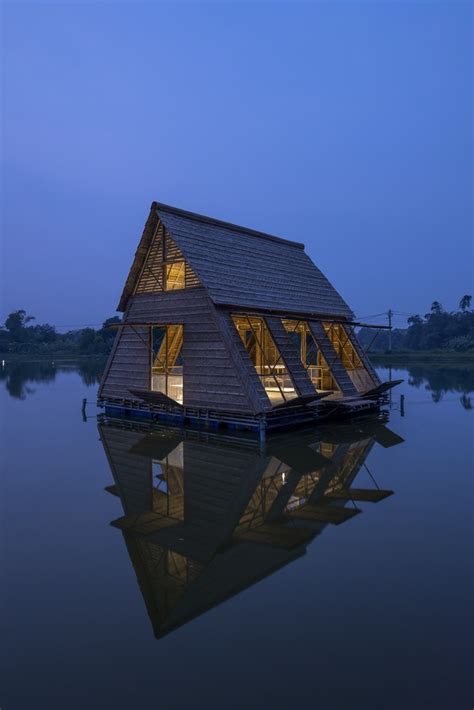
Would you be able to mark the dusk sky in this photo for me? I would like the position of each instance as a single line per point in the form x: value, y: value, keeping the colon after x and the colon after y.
x: 347, y: 126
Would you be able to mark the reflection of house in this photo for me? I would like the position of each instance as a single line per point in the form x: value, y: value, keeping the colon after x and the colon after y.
x: 224, y: 323
x: 205, y: 517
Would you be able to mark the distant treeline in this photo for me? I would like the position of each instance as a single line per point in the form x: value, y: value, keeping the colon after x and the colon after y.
x: 20, y: 336
x: 437, y: 330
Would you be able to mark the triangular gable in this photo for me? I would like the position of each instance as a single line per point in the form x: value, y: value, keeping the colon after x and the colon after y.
x: 155, y: 248
x: 165, y: 267
x: 239, y: 266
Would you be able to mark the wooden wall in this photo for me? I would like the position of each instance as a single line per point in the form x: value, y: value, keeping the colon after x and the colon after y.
x: 218, y: 373
x: 215, y: 376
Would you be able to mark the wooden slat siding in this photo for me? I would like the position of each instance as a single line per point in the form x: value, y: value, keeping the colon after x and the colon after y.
x: 110, y: 359
x: 140, y: 256
x: 130, y: 365
x: 290, y: 356
x: 244, y: 268
x: 151, y: 279
x: 131, y: 473
x: 338, y: 370
x: 151, y: 275
x: 211, y: 377
x: 365, y: 359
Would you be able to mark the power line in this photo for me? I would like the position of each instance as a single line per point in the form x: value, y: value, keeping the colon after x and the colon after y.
x: 375, y: 315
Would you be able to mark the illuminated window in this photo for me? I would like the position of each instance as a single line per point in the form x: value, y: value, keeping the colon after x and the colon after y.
x: 165, y: 268
x: 339, y: 335
x: 175, y: 275
x: 311, y: 357
x: 167, y: 361
x: 265, y: 357
x: 341, y: 343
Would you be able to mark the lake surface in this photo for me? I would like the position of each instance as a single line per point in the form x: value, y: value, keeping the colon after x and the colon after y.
x: 333, y: 570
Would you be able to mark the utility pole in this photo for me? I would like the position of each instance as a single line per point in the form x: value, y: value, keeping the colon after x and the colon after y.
x: 390, y: 314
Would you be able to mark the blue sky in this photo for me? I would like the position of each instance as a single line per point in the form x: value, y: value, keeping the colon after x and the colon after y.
x: 347, y: 126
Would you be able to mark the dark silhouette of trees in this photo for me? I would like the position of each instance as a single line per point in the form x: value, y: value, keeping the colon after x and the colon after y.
x: 17, y: 336
x: 436, y: 308
x: 465, y: 303
x: 16, y: 324
x: 437, y: 330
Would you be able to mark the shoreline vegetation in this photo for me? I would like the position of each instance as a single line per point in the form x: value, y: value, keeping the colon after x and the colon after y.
x: 431, y: 357
x: 438, y: 338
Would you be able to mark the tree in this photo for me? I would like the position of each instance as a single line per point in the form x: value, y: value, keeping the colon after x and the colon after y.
x: 436, y: 308
x: 111, y: 321
x: 16, y: 323
x: 86, y: 339
x: 465, y: 303
x: 45, y: 333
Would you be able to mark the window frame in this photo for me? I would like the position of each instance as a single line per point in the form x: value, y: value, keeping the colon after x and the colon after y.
x: 323, y: 368
x: 166, y: 374
x: 261, y: 350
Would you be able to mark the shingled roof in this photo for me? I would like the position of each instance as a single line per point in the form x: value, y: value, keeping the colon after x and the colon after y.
x: 242, y: 267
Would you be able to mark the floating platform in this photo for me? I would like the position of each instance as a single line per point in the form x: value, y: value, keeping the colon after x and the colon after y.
x: 280, y: 418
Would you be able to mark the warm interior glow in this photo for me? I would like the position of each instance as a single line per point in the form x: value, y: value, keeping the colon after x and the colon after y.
x: 310, y: 355
x: 175, y: 276
x: 165, y: 268
x: 339, y: 335
x: 339, y: 338
x: 167, y: 361
x: 265, y: 358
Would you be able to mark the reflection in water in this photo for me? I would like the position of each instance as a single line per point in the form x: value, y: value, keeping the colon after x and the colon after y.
x: 18, y: 376
x: 440, y: 380
x: 206, y: 516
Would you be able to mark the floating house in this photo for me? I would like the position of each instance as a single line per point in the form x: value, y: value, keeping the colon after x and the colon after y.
x: 225, y: 324
x: 206, y: 515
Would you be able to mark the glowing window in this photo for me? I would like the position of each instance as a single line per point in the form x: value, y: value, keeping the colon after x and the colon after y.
x: 342, y: 344
x: 167, y: 361
x: 311, y: 357
x: 165, y: 268
x: 175, y: 276
x: 265, y: 357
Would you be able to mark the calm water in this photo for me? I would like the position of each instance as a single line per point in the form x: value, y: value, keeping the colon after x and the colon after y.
x: 322, y: 605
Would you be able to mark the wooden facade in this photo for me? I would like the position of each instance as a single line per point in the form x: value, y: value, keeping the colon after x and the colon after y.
x: 226, y: 324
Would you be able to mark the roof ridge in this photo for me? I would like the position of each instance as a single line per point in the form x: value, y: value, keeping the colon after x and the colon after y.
x: 221, y: 223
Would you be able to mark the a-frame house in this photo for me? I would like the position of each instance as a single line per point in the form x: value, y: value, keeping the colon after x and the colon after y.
x: 228, y: 324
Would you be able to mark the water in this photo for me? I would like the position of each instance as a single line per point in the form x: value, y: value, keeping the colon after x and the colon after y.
x: 374, y: 612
